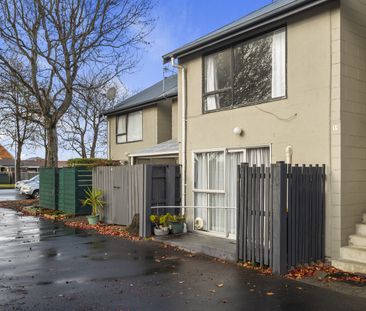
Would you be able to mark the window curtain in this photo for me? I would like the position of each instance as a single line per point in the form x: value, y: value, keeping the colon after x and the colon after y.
x: 121, y: 127
x: 134, y: 130
x: 279, y: 64
x: 216, y: 162
x: 233, y: 159
x: 258, y: 156
x: 211, y: 82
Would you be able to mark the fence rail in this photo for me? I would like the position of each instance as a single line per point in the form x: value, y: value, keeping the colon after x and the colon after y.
x: 281, y: 213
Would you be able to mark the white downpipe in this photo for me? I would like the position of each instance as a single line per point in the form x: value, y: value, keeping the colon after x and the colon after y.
x: 184, y: 134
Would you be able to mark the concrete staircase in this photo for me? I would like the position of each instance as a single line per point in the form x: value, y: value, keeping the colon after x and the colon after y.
x: 353, y: 257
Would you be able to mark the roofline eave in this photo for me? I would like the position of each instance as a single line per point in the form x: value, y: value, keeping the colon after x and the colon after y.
x: 266, y: 19
x: 139, y: 106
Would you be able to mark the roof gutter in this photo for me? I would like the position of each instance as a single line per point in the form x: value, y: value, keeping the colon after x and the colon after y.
x: 266, y: 19
x: 151, y: 154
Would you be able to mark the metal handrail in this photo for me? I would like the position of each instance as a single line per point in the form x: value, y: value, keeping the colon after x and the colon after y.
x: 201, y: 207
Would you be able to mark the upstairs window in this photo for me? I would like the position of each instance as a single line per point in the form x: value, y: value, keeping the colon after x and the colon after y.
x: 129, y: 127
x: 248, y: 73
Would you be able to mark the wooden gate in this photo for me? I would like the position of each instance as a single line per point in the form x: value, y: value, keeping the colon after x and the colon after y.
x: 130, y: 190
x: 281, y: 215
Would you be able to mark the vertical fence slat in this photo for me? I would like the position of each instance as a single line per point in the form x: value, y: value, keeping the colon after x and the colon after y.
x: 266, y: 216
x: 261, y: 238
x: 257, y: 214
x: 249, y: 216
x: 245, y: 211
x: 239, y: 214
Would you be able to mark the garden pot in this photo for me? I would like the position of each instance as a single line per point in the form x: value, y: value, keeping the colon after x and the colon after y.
x: 162, y: 231
x: 176, y: 227
x: 93, y: 220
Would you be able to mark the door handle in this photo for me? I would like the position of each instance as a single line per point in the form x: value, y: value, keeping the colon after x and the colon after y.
x: 115, y: 187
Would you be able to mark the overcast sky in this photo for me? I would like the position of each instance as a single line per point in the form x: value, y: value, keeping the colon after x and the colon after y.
x: 178, y: 22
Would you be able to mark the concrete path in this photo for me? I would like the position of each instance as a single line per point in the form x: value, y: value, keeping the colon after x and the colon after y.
x: 45, y: 266
x: 224, y: 249
x: 10, y: 194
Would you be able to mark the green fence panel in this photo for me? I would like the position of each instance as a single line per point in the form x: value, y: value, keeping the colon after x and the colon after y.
x: 48, y: 188
x: 72, y: 185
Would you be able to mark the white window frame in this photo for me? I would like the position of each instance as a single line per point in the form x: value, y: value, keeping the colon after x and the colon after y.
x: 193, y: 171
x: 126, y: 115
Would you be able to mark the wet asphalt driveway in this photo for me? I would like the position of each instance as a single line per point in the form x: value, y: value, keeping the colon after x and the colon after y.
x: 44, y: 266
x: 10, y: 194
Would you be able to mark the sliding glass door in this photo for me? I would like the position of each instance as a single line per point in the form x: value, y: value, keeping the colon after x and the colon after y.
x: 215, y: 194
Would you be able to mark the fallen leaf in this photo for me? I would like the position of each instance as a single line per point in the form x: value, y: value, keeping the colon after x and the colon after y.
x: 220, y: 285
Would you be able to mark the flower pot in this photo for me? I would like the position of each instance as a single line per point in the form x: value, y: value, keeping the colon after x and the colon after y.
x: 176, y: 227
x: 161, y: 231
x: 93, y: 220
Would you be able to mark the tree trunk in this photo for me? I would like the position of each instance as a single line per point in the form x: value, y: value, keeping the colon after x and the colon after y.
x: 95, y: 140
x: 52, y: 146
x: 18, y: 161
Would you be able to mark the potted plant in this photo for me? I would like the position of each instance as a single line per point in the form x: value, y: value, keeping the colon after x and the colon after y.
x: 161, y: 224
x: 176, y: 224
x: 93, y: 198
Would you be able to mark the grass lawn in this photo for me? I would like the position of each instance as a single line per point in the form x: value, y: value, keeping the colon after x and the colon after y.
x: 6, y: 186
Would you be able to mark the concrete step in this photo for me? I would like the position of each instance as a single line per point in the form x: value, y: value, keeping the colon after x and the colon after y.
x: 353, y: 253
x: 349, y: 266
x: 357, y: 241
x: 361, y: 229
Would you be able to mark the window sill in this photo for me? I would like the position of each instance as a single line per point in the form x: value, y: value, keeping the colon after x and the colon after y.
x: 245, y: 105
x: 130, y: 142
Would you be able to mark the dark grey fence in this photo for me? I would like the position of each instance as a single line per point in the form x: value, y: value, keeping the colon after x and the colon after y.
x: 130, y: 190
x: 281, y: 213
x: 162, y: 189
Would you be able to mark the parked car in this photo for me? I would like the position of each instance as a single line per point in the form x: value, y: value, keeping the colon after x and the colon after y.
x: 31, y: 189
x: 20, y: 183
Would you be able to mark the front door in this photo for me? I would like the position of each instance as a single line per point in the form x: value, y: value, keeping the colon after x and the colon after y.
x: 215, y: 182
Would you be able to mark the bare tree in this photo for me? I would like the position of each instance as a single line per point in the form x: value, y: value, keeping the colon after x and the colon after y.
x: 61, y: 39
x: 15, y: 110
x: 84, y: 128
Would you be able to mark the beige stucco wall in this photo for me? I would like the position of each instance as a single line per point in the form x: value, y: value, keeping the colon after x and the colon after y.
x: 159, y: 124
x: 164, y: 121
x: 149, y: 135
x: 353, y: 115
x: 174, y: 119
x: 303, y: 120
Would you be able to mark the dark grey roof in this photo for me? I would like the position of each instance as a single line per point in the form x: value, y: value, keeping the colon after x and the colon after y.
x: 266, y: 14
x: 166, y: 88
x: 6, y: 162
x: 166, y: 147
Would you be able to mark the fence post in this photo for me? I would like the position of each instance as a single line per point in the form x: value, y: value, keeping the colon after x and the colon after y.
x: 146, y: 226
x: 279, y: 237
x: 170, y: 188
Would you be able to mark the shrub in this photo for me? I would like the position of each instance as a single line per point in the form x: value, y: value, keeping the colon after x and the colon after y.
x: 92, y: 162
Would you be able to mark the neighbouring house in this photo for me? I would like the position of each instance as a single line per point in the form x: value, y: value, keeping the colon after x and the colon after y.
x: 288, y: 78
x: 28, y: 167
x: 143, y: 128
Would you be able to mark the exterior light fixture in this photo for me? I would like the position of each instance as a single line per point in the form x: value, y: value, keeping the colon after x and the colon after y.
x: 238, y: 131
x: 289, y: 153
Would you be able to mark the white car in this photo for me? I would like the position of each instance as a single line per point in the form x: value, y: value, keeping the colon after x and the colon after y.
x: 31, y: 189
x: 21, y: 183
